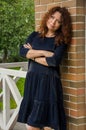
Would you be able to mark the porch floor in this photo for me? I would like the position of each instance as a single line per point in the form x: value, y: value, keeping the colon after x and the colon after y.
x: 19, y: 126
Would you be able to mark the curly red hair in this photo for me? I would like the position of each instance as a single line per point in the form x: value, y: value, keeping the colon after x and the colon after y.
x: 64, y: 33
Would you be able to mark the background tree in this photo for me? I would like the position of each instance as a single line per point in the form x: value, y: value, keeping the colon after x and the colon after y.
x: 16, y: 23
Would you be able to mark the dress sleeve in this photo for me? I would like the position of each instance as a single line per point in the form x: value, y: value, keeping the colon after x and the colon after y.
x: 55, y: 60
x: 23, y: 51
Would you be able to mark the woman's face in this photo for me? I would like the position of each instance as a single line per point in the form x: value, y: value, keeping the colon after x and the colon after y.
x: 54, y: 22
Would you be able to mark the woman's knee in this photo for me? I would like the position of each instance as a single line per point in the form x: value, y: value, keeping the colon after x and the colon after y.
x: 31, y: 127
x: 47, y: 128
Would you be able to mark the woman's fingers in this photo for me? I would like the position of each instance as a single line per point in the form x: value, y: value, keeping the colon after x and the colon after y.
x: 27, y: 46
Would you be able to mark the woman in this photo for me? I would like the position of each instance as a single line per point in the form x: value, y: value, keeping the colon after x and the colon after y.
x: 42, y: 104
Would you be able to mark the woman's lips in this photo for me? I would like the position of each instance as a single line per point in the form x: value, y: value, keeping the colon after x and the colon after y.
x: 51, y: 26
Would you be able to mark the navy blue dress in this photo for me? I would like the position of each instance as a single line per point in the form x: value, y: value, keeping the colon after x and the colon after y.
x: 42, y: 104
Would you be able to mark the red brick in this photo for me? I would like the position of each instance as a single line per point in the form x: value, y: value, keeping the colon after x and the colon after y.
x: 78, y: 26
x: 73, y: 77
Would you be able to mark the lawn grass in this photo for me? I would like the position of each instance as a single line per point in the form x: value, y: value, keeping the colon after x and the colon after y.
x: 20, y: 85
x: 0, y: 101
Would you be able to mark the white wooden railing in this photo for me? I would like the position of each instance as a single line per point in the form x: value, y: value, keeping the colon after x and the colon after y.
x: 8, y: 78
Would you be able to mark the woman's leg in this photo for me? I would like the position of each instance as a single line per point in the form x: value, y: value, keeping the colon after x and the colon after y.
x: 31, y: 127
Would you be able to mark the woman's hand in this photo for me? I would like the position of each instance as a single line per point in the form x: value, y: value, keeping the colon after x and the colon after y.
x: 47, y: 53
x: 27, y: 46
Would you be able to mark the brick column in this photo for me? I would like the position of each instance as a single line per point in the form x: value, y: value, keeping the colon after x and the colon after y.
x: 73, y: 66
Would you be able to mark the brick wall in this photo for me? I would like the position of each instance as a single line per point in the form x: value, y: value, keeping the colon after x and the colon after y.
x: 73, y: 66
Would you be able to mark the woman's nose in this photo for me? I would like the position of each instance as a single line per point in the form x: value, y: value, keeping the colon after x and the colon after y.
x: 53, y: 22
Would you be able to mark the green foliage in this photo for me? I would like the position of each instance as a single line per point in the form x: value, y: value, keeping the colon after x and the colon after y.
x: 16, y: 23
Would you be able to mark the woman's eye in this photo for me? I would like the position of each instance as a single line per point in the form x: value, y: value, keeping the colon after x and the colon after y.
x: 59, y: 21
x: 52, y: 17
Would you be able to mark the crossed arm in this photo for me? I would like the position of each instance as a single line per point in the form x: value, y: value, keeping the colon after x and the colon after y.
x: 43, y: 57
x: 38, y: 55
